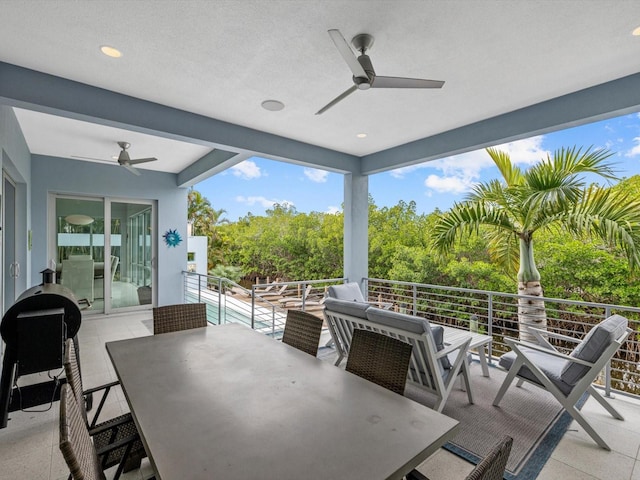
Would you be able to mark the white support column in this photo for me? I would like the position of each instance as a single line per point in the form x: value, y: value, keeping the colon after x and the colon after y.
x: 356, y: 227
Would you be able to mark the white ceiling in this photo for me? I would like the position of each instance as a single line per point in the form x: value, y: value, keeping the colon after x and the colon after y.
x: 222, y: 58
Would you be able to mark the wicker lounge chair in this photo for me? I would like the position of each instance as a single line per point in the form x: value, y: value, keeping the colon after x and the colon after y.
x: 108, y: 431
x: 302, y: 331
x: 379, y: 359
x: 490, y: 467
x: 182, y: 316
x: 81, y: 455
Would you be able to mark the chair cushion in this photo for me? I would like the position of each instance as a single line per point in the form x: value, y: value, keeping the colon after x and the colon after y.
x: 411, y: 324
x: 347, y: 307
x: 346, y: 291
x: 551, y: 366
x: 593, y: 346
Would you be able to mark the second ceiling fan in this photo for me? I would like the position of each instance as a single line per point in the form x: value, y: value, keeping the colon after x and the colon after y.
x: 124, y: 159
x: 364, y: 76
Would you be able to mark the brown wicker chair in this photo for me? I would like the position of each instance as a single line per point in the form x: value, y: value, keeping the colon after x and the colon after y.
x: 490, y: 468
x: 302, y: 331
x: 106, y: 432
x: 380, y: 359
x: 183, y: 316
x: 80, y: 454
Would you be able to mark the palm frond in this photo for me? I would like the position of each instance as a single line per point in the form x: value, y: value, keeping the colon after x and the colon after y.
x: 611, y: 215
x: 512, y: 174
x: 465, y: 219
x: 503, y: 248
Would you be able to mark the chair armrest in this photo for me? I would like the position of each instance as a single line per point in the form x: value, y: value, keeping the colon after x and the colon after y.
x: 89, y: 393
x: 101, y: 387
x: 514, y: 344
x: 462, y: 344
x: 539, y: 332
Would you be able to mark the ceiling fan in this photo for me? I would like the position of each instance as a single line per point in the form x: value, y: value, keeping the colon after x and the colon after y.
x: 124, y: 159
x: 364, y: 76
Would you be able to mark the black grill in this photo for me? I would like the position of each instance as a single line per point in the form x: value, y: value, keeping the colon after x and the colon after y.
x: 34, y: 330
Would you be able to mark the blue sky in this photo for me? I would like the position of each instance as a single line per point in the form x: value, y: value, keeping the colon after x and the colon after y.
x: 256, y: 184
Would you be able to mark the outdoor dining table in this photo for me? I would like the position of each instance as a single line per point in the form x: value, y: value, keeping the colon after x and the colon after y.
x: 229, y: 402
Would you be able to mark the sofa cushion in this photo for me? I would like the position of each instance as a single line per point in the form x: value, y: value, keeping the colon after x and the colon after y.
x: 410, y: 323
x: 346, y: 291
x: 347, y: 307
x: 593, y: 346
x: 551, y: 366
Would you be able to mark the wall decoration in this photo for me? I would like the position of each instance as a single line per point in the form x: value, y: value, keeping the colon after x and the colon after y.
x: 172, y: 238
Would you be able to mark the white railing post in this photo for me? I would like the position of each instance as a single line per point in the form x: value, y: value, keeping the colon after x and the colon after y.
x: 490, y: 324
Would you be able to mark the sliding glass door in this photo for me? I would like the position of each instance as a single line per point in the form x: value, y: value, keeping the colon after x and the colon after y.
x: 103, y: 251
x: 132, y: 225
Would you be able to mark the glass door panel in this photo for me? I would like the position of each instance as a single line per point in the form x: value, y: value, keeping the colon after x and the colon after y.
x: 79, y: 249
x: 131, y: 244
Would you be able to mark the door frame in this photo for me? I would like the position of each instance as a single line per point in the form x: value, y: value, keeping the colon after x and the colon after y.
x: 106, y: 205
x: 8, y: 271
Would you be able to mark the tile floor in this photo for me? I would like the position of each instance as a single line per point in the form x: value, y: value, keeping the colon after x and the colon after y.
x: 29, y: 445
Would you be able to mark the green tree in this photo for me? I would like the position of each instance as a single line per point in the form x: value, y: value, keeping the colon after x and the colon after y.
x: 198, y: 208
x: 549, y: 195
x: 205, y: 220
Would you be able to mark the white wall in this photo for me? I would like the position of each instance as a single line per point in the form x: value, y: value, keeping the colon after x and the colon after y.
x: 198, y: 246
x: 15, y: 159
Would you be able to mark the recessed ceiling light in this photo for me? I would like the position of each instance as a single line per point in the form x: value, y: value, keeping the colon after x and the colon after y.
x: 110, y: 51
x: 636, y: 32
x: 272, y: 105
x: 361, y: 135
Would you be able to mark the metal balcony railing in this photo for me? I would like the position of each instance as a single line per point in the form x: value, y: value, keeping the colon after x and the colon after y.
x: 493, y: 313
x: 263, y: 307
x: 496, y: 314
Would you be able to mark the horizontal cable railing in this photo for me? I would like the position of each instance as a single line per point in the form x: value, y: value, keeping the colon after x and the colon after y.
x: 496, y: 314
x: 263, y: 307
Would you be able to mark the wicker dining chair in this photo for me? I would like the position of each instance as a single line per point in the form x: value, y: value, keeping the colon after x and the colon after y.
x: 182, y: 316
x: 80, y: 453
x: 108, y: 431
x: 302, y: 331
x: 380, y: 359
x: 491, y: 467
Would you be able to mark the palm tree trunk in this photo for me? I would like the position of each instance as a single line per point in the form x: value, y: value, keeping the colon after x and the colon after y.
x: 531, y: 312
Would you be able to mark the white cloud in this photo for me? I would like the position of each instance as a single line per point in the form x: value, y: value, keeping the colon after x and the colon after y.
x: 635, y: 151
x: 404, y: 171
x: 333, y: 210
x: 470, y: 164
x: 460, y: 172
x: 247, y: 170
x: 448, y: 184
x: 262, y: 201
x: 315, y: 175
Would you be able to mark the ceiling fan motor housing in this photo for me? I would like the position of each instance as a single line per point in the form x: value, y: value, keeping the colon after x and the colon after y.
x: 367, y: 66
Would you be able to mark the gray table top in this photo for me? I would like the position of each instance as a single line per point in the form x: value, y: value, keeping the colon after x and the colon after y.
x: 228, y: 402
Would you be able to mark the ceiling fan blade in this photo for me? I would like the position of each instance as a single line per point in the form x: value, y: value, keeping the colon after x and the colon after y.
x: 102, y: 160
x: 142, y: 160
x: 399, y: 82
x: 346, y: 52
x: 340, y: 97
x: 131, y: 169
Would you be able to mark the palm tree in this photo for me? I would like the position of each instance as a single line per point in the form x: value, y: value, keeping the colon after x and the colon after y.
x: 549, y: 195
x: 198, y: 208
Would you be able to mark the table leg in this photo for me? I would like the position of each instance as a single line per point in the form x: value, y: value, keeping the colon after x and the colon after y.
x: 483, y: 361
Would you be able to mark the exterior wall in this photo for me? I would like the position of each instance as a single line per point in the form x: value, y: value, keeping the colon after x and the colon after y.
x: 59, y: 175
x: 15, y: 159
x: 198, y: 246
